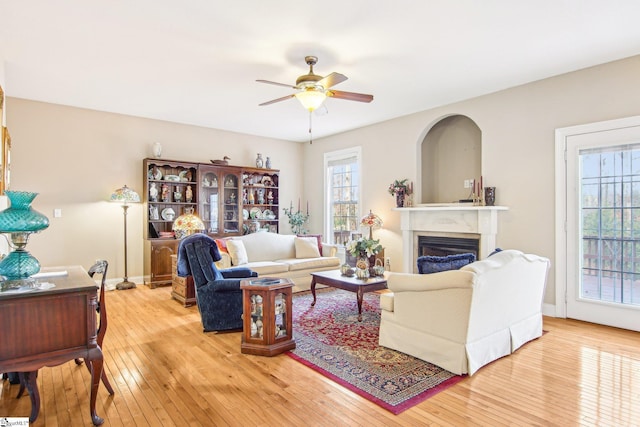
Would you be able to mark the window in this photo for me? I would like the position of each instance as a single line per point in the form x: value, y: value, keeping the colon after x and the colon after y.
x: 342, y: 194
x: 610, y: 210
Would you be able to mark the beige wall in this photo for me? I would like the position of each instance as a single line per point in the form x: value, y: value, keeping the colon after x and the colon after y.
x: 75, y: 158
x: 451, y: 154
x: 517, y: 128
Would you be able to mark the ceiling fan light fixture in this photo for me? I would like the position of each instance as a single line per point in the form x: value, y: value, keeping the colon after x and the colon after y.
x: 311, y: 98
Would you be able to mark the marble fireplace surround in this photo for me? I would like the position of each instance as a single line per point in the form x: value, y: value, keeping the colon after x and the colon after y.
x: 455, y: 220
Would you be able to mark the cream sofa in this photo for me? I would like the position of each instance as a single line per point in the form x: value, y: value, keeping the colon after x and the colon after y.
x: 461, y: 320
x: 280, y: 255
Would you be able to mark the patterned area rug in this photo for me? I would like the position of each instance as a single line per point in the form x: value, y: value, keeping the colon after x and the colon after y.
x: 330, y: 340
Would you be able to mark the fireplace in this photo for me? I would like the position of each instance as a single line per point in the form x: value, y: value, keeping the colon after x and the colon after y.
x: 442, y: 246
x: 455, y: 226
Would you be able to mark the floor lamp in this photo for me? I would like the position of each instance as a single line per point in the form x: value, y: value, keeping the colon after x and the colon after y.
x: 125, y: 195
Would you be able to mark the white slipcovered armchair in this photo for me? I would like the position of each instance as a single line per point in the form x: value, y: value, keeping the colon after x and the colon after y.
x: 463, y: 319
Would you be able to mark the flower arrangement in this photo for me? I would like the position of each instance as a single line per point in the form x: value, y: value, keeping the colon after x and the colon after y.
x: 402, y: 191
x: 297, y: 219
x: 400, y: 186
x: 364, y: 247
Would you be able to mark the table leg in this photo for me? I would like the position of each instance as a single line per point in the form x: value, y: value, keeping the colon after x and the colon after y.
x: 313, y: 290
x: 359, y: 295
x: 96, y: 374
x: 28, y: 379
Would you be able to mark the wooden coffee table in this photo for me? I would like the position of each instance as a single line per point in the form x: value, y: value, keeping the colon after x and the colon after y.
x: 335, y: 279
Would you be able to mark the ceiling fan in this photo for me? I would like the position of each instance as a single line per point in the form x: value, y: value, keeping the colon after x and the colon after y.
x: 313, y: 89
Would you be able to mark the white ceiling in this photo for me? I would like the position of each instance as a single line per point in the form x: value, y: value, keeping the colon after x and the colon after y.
x: 196, y: 61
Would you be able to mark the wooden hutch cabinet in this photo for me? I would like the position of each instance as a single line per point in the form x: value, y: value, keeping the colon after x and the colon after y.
x: 230, y: 200
x: 169, y: 189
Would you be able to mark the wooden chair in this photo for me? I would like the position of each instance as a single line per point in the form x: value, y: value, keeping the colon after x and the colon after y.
x: 100, y: 267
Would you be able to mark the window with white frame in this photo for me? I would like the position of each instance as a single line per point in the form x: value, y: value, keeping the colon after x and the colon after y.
x: 342, y: 194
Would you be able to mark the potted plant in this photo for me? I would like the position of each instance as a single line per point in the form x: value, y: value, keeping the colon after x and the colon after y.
x: 363, y: 249
x: 296, y: 220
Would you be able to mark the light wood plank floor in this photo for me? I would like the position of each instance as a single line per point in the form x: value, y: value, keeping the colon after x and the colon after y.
x: 167, y: 372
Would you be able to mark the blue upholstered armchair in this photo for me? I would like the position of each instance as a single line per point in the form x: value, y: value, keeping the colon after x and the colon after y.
x: 428, y: 264
x: 218, y: 292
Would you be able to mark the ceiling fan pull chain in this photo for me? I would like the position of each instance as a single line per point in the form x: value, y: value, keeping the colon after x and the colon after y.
x: 310, y: 123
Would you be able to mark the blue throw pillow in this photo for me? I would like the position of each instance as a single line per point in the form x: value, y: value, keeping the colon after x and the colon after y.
x: 428, y: 264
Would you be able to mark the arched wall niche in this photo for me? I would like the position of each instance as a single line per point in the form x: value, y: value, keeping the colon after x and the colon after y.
x: 450, y: 153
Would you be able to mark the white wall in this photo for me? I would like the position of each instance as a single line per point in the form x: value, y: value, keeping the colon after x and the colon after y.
x: 517, y: 128
x: 75, y: 158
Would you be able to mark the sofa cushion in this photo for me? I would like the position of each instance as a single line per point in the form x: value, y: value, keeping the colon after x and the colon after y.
x: 222, y: 245
x: 306, y: 247
x: 264, y: 268
x: 268, y: 246
x: 318, y: 238
x: 428, y: 264
x: 296, y: 264
x: 238, y: 252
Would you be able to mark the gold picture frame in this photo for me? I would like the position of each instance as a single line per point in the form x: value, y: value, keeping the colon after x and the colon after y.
x: 3, y: 131
x: 5, y: 166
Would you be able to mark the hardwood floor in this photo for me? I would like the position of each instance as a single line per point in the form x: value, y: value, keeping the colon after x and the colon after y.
x: 167, y: 372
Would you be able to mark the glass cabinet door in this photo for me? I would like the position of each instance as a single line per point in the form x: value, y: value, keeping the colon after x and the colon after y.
x: 209, y: 200
x: 280, y: 315
x: 231, y: 220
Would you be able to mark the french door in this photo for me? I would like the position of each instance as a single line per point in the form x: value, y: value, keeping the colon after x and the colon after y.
x: 602, y: 221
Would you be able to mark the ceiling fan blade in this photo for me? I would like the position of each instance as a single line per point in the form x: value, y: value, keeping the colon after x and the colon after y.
x: 273, y: 101
x: 350, y: 96
x: 332, y: 80
x: 276, y: 83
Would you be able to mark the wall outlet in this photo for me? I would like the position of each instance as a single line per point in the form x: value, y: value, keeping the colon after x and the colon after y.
x: 467, y: 183
x: 57, y: 213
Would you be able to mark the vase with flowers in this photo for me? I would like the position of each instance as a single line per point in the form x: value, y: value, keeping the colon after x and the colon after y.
x: 401, y: 190
x: 364, y: 251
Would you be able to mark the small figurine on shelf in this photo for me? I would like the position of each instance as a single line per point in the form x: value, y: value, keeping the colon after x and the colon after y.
x: 177, y: 195
x: 189, y: 194
x: 261, y: 196
x: 153, y: 213
x: 153, y: 192
x: 165, y: 193
x: 245, y: 200
x: 232, y: 198
x: 270, y: 197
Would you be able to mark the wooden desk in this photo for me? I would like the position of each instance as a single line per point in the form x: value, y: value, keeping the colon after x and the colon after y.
x: 51, y: 327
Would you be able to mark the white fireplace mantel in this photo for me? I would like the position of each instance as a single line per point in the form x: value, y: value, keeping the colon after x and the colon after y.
x: 454, y: 219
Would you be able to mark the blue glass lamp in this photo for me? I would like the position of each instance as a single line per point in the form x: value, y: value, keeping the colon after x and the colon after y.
x: 20, y: 220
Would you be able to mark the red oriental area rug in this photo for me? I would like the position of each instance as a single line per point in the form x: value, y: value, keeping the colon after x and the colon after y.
x: 330, y: 340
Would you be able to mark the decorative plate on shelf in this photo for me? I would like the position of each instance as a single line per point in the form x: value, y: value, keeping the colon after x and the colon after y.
x: 268, y: 214
x: 168, y: 214
x: 245, y: 214
x: 172, y: 178
x: 256, y: 213
x: 154, y: 173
